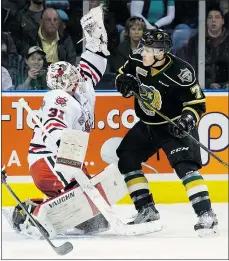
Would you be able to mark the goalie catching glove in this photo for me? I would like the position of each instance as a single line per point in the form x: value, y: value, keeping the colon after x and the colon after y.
x: 94, y: 31
x: 125, y: 84
x: 185, y: 123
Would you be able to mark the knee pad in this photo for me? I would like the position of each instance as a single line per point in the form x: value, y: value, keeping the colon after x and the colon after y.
x: 183, y: 167
x: 127, y: 163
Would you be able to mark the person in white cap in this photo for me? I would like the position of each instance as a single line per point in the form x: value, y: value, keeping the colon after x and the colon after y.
x: 35, y: 79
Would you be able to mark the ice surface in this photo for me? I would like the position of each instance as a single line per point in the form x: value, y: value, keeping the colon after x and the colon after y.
x: 178, y: 240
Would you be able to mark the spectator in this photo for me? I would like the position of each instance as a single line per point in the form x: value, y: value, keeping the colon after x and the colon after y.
x: 7, y: 84
x: 34, y: 77
x: 56, y: 46
x: 156, y: 13
x: 27, y: 23
x: 133, y: 34
x: 217, y: 51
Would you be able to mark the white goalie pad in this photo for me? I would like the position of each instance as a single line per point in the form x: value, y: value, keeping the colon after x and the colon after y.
x: 71, y: 167
x: 64, y: 212
x: 112, y: 183
x: 71, y: 152
x: 72, y: 207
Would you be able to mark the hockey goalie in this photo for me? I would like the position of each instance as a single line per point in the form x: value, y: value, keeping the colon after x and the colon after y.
x: 67, y: 114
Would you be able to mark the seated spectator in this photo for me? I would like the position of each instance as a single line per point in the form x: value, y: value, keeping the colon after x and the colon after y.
x: 26, y: 23
x: 56, y: 46
x: 217, y: 51
x: 156, y: 13
x: 134, y: 29
x: 34, y: 77
x: 7, y: 84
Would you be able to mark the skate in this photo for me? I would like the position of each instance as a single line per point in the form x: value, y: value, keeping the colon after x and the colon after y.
x: 148, y: 213
x: 207, y: 224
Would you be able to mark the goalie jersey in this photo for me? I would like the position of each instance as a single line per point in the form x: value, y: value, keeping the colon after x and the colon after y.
x: 60, y: 110
x: 170, y: 88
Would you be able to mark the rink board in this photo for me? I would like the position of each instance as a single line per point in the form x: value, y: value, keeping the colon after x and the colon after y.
x: 163, y: 191
x: 114, y: 116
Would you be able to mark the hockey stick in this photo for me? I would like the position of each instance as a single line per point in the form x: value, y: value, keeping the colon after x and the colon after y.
x: 60, y: 250
x: 95, y: 196
x: 187, y: 134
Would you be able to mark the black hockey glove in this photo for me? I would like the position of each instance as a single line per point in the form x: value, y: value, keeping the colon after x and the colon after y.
x: 185, y: 123
x: 126, y: 83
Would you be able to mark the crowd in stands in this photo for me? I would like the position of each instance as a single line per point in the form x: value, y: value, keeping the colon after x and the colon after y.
x: 36, y: 33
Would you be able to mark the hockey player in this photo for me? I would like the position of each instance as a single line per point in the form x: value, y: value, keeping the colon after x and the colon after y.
x: 69, y: 105
x: 168, y: 84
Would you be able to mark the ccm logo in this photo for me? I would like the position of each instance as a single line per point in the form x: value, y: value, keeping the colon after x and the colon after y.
x: 179, y: 149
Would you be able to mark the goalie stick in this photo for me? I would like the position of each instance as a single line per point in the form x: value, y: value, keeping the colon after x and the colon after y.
x: 95, y: 196
x: 60, y: 250
x: 187, y: 134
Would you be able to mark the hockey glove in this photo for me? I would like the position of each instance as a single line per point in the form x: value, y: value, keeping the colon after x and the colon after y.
x: 125, y: 83
x: 185, y: 123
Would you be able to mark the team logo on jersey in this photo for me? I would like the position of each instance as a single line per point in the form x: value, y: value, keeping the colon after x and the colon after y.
x: 159, y: 36
x: 61, y: 101
x: 185, y: 75
x: 151, y: 95
x: 141, y: 71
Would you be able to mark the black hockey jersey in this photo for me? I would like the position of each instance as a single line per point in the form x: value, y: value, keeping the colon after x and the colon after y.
x: 170, y: 89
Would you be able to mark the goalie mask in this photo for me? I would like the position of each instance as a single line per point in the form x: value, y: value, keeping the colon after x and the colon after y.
x: 155, y: 43
x: 64, y: 76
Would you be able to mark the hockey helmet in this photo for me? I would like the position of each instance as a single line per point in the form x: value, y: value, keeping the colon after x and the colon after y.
x: 157, y: 38
x: 62, y: 75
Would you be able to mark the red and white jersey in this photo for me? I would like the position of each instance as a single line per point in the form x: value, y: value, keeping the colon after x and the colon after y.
x: 60, y: 110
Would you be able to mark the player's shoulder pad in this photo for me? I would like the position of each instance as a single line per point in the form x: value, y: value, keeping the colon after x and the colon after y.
x: 181, y: 72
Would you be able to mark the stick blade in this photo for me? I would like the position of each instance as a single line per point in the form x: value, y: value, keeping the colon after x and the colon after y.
x: 64, y: 249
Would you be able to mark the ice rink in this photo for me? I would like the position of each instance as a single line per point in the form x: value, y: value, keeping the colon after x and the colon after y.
x: 178, y: 240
